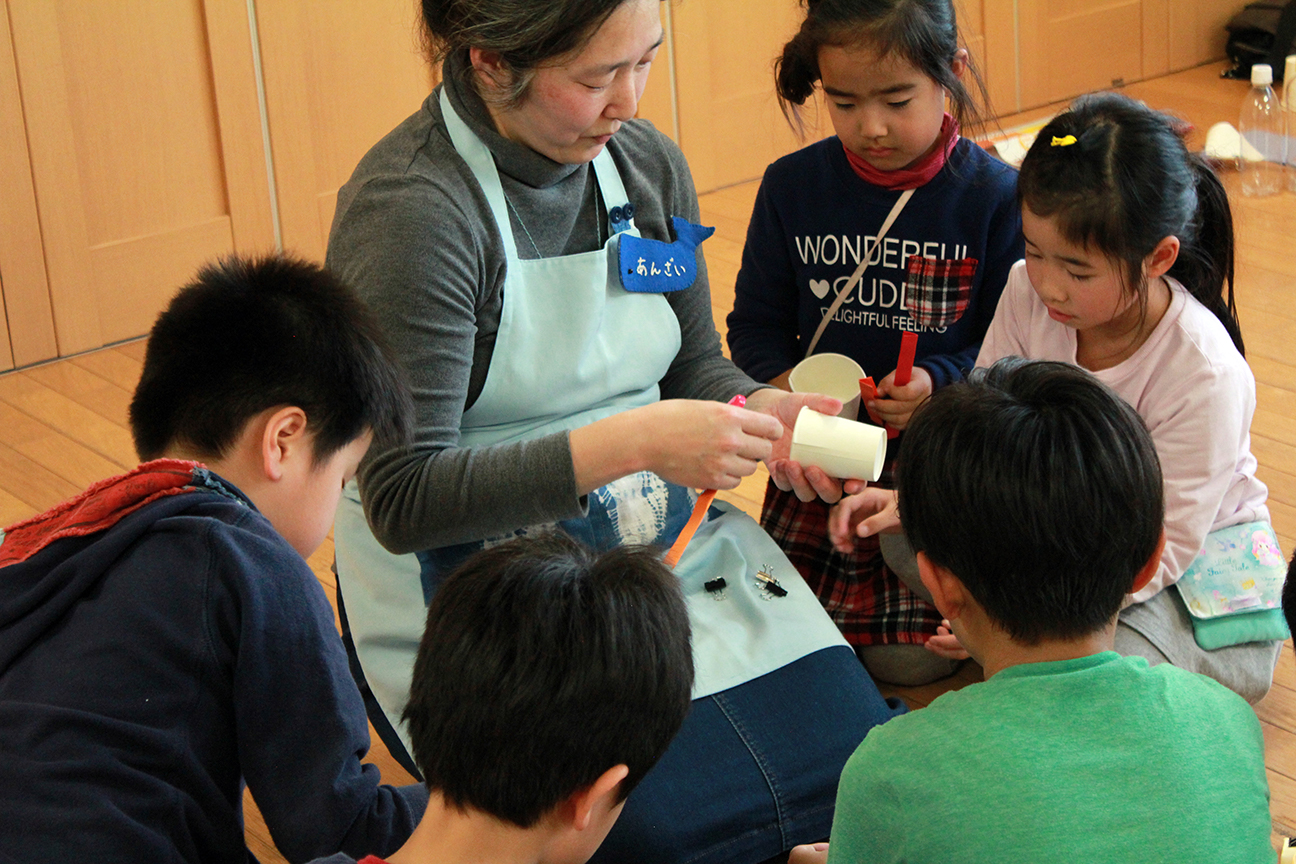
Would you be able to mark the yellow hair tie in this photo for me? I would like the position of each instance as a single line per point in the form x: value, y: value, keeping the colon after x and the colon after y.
x: 1063, y: 142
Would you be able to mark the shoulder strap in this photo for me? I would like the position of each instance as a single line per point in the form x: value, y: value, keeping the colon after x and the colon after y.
x: 482, y: 164
x: 863, y: 265
x: 609, y: 181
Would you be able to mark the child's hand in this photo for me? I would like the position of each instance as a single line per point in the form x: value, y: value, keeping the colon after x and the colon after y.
x: 861, y: 515
x: 946, y: 644
x: 895, y: 405
x: 809, y: 853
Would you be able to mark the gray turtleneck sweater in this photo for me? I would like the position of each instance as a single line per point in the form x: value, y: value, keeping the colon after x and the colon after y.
x: 414, y: 234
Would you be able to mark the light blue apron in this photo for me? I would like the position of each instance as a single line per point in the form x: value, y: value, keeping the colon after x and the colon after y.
x: 572, y: 348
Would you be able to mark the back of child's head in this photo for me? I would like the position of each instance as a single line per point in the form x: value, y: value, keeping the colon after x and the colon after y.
x: 1126, y: 182
x: 252, y: 334
x: 1040, y: 489
x: 543, y: 665
x: 923, y: 32
x: 1289, y: 595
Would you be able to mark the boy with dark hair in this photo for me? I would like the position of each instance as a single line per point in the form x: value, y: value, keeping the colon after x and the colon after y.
x: 1289, y: 594
x: 1032, y: 495
x: 163, y: 640
x: 548, y: 681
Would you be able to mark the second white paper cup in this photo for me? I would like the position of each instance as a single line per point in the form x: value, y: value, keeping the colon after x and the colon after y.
x: 832, y: 375
x: 843, y: 448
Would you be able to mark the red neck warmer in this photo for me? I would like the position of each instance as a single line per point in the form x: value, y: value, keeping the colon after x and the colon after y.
x: 918, y: 174
x: 97, y: 508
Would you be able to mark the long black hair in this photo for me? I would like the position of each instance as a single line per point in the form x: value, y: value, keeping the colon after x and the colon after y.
x: 924, y: 32
x: 1126, y: 183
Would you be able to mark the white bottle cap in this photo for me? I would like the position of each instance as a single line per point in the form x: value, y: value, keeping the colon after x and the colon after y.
x: 1261, y: 75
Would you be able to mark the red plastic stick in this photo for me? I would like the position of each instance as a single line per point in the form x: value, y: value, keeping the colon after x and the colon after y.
x: 868, y: 392
x: 904, y: 366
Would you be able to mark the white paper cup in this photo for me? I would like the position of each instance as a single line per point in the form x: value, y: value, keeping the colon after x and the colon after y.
x: 832, y: 375
x: 843, y: 448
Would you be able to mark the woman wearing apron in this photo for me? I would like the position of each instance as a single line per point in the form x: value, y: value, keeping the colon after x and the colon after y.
x: 512, y: 238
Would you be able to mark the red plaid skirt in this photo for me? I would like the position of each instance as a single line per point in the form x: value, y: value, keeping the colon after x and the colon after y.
x: 860, y: 593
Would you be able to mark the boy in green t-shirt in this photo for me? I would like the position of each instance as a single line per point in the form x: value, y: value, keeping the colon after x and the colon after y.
x: 1032, y: 495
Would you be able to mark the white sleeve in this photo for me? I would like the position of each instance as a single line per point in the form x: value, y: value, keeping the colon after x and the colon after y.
x: 1196, y: 428
x: 1007, y: 335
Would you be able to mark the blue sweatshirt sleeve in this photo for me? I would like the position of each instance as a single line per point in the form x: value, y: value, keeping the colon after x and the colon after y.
x: 300, y: 721
x: 1004, y: 247
x: 763, y: 324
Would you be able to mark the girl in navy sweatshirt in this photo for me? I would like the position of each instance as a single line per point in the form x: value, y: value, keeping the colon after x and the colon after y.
x: 887, y: 68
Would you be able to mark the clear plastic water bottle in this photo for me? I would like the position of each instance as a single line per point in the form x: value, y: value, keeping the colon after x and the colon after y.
x: 1289, y: 120
x: 1261, y: 125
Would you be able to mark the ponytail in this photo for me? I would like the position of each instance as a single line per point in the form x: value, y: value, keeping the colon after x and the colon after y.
x: 1205, y: 266
x: 1127, y: 182
x: 924, y: 32
x: 795, y: 74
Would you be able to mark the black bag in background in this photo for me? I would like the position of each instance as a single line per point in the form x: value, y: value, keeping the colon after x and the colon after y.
x: 1260, y: 33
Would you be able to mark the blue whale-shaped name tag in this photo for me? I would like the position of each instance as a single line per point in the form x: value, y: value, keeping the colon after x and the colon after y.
x: 653, y: 267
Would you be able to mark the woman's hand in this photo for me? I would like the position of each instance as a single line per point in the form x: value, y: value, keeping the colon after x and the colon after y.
x: 946, y: 644
x: 699, y: 444
x: 895, y: 404
x: 809, y: 853
x: 807, y: 482
x: 867, y: 512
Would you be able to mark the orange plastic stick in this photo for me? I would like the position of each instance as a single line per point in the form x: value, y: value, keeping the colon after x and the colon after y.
x: 690, y: 528
x: 868, y: 390
x: 699, y: 511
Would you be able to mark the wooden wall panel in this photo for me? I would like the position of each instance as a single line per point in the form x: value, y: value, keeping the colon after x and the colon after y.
x: 1156, y: 37
x: 38, y: 50
x: 1196, y: 30
x: 658, y: 102
x: 1068, y: 47
x: 6, y: 348
x: 971, y: 15
x: 238, y: 113
x: 1001, y: 57
x: 28, y: 321
x: 971, y: 22
x: 730, y: 123
x: 125, y: 142
x: 339, y: 75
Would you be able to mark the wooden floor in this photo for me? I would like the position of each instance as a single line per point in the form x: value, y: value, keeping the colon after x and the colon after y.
x: 63, y: 424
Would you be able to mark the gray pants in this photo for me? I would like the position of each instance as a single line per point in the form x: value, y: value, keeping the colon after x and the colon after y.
x: 904, y: 665
x: 1161, y: 631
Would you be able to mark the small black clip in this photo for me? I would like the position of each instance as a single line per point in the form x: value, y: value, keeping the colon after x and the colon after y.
x: 770, y: 584
x: 715, y: 585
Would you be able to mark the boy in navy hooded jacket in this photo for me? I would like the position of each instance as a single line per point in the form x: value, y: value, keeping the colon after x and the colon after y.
x: 162, y: 640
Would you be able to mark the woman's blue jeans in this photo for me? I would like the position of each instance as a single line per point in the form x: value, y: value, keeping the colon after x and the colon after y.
x: 752, y: 772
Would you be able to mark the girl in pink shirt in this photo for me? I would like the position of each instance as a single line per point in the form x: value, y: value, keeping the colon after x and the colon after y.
x: 1129, y: 274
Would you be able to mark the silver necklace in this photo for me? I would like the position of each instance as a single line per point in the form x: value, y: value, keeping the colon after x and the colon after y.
x: 509, y: 202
